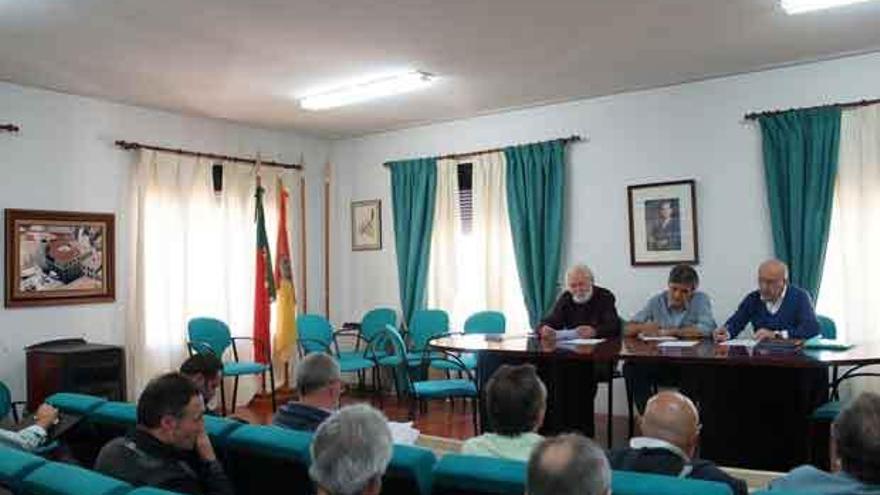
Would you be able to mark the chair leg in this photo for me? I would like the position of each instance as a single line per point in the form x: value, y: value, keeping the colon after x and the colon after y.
x: 222, y: 397
x: 474, y: 409
x: 377, y: 384
x: 234, y: 394
x: 629, y: 410
x: 272, y: 385
x: 610, y: 426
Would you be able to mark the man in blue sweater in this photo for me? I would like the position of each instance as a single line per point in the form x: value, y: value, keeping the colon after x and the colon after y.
x: 776, y: 310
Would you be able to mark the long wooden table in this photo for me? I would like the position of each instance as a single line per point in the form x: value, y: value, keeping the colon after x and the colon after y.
x: 754, y: 405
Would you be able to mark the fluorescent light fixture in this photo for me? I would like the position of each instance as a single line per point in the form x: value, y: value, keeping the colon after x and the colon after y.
x: 801, y: 6
x: 368, y: 89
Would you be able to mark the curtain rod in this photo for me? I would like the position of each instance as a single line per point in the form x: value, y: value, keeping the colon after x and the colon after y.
x: 127, y: 145
x: 571, y: 139
x: 9, y: 128
x: 850, y: 104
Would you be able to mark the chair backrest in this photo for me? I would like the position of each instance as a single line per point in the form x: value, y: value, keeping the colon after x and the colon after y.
x: 315, y: 333
x: 425, y: 325
x: 485, y: 322
x: 827, y: 327
x: 209, y: 334
x: 374, y: 321
x: 55, y: 478
x: 393, y: 341
x: 15, y: 465
x: 5, y: 401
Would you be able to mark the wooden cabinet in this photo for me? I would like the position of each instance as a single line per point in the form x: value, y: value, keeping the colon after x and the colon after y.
x: 74, y: 365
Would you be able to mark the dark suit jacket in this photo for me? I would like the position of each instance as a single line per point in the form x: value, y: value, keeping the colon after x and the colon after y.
x: 599, y: 312
x: 663, y: 461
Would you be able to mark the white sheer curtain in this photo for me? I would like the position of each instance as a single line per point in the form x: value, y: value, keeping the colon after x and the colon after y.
x: 193, y: 255
x: 446, y: 246
x: 474, y: 271
x: 496, y: 279
x: 852, y: 265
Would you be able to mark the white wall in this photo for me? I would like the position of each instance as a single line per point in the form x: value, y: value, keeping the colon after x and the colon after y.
x: 64, y: 159
x: 693, y: 130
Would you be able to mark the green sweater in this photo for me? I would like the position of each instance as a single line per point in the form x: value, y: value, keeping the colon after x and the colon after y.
x: 517, y: 448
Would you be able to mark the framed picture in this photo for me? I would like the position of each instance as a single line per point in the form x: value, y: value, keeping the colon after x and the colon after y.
x: 366, y: 225
x: 59, y: 257
x: 663, y: 223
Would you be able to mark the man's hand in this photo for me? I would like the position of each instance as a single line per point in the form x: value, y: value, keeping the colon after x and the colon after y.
x: 546, y: 332
x: 46, y: 416
x: 650, y: 329
x: 764, y: 334
x: 204, y: 448
x: 721, y: 334
x: 586, y: 332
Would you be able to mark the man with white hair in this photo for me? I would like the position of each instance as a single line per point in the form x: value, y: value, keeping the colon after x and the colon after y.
x: 350, y: 452
x: 583, y: 309
x: 776, y: 310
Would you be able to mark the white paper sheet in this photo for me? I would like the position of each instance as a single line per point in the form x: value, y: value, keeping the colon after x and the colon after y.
x: 403, y: 433
x: 740, y: 343
x: 581, y: 342
x: 678, y: 343
x: 657, y: 338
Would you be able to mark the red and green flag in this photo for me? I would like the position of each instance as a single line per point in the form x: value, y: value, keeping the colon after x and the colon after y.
x: 264, y: 286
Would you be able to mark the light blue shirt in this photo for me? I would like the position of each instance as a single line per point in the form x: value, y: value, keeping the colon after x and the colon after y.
x: 696, y: 313
x: 27, y: 439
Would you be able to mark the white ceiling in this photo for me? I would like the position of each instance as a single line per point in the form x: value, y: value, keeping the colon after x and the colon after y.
x: 242, y: 60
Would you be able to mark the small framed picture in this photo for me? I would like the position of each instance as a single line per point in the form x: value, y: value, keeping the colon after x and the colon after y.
x: 59, y: 257
x: 663, y: 223
x: 366, y: 225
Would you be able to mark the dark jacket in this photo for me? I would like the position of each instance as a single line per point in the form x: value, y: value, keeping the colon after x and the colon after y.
x: 142, y: 460
x: 298, y: 416
x: 666, y: 462
x: 599, y: 312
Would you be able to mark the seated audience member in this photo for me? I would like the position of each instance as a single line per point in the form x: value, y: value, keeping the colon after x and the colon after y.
x: 776, y: 310
x: 679, y: 311
x: 515, y: 401
x: 856, y: 439
x: 350, y: 452
x: 33, y: 436
x: 319, y: 383
x: 205, y: 370
x: 671, y: 433
x: 169, y: 449
x: 569, y: 464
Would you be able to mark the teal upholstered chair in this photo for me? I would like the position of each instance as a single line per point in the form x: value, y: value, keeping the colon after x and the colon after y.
x: 81, y: 404
x: 15, y: 465
x: 212, y: 335
x: 421, y: 391
x: 485, y: 322
x: 148, y: 490
x: 316, y: 335
x: 464, y: 474
x: 55, y: 478
x: 366, y: 345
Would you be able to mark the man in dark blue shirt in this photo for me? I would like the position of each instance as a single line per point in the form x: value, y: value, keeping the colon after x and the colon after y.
x: 319, y: 383
x: 776, y: 310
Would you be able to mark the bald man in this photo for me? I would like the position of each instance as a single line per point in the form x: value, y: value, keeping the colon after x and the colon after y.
x: 671, y: 434
x: 776, y: 310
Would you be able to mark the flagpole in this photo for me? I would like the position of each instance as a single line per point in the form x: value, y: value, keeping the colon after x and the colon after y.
x: 327, y: 172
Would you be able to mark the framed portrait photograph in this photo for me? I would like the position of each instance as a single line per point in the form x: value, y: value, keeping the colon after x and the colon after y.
x: 59, y: 257
x: 663, y: 223
x: 366, y: 225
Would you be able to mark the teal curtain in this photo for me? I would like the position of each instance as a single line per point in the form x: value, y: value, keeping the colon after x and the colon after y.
x: 800, y: 164
x: 535, y: 195
x: 413, y: 188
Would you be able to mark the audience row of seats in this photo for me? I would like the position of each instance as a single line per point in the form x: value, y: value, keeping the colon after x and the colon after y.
x: 22, y: 472
x: 259, y: 459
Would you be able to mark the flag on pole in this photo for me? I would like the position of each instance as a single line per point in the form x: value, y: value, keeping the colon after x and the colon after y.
x: 264, y: 283
x: 285, y: 311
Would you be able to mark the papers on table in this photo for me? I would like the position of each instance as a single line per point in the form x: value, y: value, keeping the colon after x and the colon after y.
x: 580, y: 341
x: 656, y: 338
x: 403, y: 433
x: 678, y: 343
x: 740, y: 343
